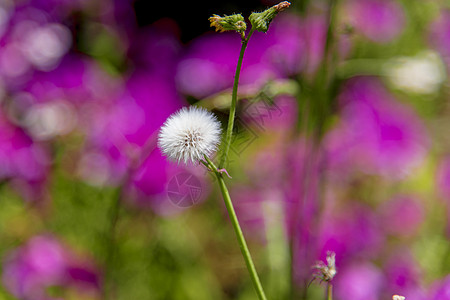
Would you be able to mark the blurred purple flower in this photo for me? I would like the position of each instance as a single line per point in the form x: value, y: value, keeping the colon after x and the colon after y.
x: 54, y: 103
x: 315, y: 31
x: 210, y: 61
x: 403, y: 275
x: 22, y: 160
x: 379, y: 20
x: 42, y: 263
x: 77, y: 79
x: 441, y: 290
x: 32, y: 40
x: 288, y: 49
x: 108, y: 154
x: 292, y: 45
x: 120, y: 130
x: 402, y: 215
x: 303, y: 167
x: 351, y: 232
x: 148, y: 186
x: 377, y: 135
x: 271, y: 119
x: 359, y: 281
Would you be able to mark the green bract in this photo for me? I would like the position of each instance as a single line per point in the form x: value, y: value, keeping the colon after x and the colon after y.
x: 234, y: 22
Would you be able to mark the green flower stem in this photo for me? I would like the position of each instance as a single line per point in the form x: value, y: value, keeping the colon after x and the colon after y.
x: 229, y: 133
x: 237, y: 228
x: 329, y: 291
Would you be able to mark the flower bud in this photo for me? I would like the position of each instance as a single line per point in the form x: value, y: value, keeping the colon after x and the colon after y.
x: 234, y: 22
x: 262, y: 20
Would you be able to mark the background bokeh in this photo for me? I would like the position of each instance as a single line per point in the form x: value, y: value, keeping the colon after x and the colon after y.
x: 341, y: 144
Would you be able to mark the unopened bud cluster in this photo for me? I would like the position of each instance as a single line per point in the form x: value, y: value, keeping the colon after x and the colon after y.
x: 260, y: 21
x: 234, y: 22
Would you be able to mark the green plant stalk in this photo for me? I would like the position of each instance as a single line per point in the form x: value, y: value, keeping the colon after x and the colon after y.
x: 229, y: 133
x: 113, y: 218
x: 239, y: 234
x: 329, y: 291
x: 111, y: 244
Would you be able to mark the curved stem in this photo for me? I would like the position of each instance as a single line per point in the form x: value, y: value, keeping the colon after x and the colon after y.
x: 229, y: 133
x: 240, y: 236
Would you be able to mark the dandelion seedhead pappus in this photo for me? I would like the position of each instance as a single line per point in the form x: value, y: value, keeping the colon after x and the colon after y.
x: 189, y: 134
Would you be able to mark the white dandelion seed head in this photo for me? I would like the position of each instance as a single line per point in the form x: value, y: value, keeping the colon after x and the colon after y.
x: 189, y: 134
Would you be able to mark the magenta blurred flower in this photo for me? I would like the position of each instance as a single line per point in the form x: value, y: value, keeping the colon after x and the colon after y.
x: 279, y: 116
x: 32, y: 40
x: 379, y: 20
x: 403, y: 275
x: 54, y: 103
x: 359, y: 281
x: 351, y: 232
x: 22, y: 160
x: 292, y: 45
x: 441, y: 290
x: 304, y: 172
x: 77, y: 79
x: 377, y: 134
x: 314, y: 31
x: 288, y: 49
x: 42, y: 263
x: 149, y: 184
x: 402, y: 215
x: 210, y: 61
x: 119, y: 131
x: 296, y: 44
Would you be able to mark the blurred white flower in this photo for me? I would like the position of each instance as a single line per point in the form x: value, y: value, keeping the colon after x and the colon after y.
x: 421, y: 74
x: 47, y: 120
x: 189, y: 134
x: 44, y: 46
x: 397, y: 297
x: 95, y: 168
